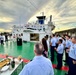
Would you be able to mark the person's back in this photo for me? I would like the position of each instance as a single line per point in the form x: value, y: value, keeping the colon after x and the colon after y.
x: 53, y: 41
x: 38, y: 66
x: 6, y: 37
x: 2, y: 38
x: 44, y: 42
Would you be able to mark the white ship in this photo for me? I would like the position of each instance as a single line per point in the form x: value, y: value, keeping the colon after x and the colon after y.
x: 34, y: 31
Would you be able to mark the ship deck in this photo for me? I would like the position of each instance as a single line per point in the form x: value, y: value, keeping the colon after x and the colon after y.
x: 26, y: 51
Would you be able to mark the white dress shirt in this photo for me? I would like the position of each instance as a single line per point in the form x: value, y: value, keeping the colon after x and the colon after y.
x: 72, y: 52
x: 60, y: 49
x: 68, y: 43
x: 2, y: 38
x: 38, y: 66
x: 48, y: 44
x: 53, y: 41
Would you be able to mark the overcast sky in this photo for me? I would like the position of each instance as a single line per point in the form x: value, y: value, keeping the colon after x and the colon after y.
x: 16, y: 12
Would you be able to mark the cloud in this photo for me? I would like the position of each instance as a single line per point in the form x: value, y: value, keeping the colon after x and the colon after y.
x: 3, y: 30
x: 6, y: 19
x: 20, y: 11
x: 63, y: 12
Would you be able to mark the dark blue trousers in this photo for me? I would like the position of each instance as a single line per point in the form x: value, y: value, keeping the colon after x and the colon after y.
x: 59, y: 60
x: 52, y: 52
x: 72, y: 67
x: 66, y: 56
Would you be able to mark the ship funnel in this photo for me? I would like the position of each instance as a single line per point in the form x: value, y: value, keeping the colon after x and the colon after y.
x: 50, y: 18
x: 41, y: 19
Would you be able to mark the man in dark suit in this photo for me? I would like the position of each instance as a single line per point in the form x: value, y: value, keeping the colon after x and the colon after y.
x: 44, y: 42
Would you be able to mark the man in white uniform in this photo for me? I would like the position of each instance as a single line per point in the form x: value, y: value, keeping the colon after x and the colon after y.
x: 72, y: 57
x: 52, y: 46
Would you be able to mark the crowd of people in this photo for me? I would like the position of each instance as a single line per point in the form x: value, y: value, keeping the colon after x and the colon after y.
x: 41, y: 65
x: 56, y: 44
x: 62, y: 45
